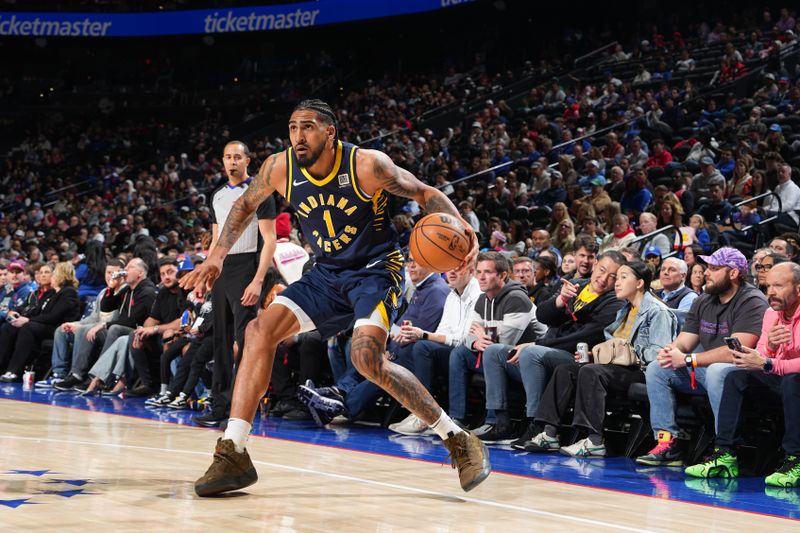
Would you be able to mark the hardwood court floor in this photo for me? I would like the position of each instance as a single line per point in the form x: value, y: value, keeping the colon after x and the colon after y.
x: 74, y: 469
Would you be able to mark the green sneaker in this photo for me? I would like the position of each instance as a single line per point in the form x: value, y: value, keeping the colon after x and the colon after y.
x: 722, y: 463
x: 788, y: 475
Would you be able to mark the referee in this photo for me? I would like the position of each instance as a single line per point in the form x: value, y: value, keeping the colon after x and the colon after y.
x: 237, y: 291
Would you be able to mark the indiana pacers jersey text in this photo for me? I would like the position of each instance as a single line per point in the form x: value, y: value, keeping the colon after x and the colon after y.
x: 346, y: 228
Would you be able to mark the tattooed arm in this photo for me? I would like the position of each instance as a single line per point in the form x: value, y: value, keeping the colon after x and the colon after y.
x: 381, y: 173
x: 270, y: 176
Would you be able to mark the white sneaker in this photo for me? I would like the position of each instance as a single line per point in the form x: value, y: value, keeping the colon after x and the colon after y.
x: 411, y: 425
x: 481, y: 430
x: 584, y: 448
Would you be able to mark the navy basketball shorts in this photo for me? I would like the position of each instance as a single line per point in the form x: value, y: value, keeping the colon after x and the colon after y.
x: 331, y: 300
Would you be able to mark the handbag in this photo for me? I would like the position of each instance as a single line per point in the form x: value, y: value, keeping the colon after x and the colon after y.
x: 615, y: 351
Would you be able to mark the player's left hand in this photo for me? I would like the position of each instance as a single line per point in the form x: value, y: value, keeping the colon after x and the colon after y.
x: 252, y: 293
x: 473, y: 251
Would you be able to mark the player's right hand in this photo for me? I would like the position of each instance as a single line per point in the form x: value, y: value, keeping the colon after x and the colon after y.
x: 202, y: 278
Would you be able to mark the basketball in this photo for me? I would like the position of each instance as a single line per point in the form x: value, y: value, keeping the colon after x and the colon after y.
x: 439, y: 242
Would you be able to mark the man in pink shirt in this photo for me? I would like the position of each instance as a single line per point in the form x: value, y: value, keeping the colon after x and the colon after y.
x: 774, y: 365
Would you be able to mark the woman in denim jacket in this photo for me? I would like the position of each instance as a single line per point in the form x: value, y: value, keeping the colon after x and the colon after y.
x: 648, y: 325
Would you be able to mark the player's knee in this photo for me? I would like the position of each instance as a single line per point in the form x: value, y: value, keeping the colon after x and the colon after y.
x: 258, y: 329
x: 368, y: 365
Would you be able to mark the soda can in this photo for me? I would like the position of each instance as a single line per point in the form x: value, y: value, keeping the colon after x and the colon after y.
x: 27, y: 380
x: 583, y: 349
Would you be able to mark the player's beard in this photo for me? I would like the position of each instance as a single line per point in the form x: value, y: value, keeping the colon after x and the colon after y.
x: 311, y: 156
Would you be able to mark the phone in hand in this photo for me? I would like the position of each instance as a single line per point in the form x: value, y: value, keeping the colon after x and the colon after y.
x: 512, y: 353
x: 733, y: 343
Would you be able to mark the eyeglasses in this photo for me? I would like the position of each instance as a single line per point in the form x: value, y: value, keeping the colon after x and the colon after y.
x: 763, y: 268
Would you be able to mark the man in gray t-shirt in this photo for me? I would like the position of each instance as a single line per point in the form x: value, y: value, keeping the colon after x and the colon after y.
x: 728, y: 307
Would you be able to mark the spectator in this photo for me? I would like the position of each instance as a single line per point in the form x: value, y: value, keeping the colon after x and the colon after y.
x: 717, y: 209
x: 621, y: 235
x: 637, y: 196
x: 160, y: 328
x: 774, y: 365
x: 647, y: 225
x: 697, y: 278
x: 541, y: 242
x: 782, y: 246
x: 502, y: 314
x: 565, y: 236
x: 659, y: 157
x: 789, y: 193
x: 728, y: 307
x: 702, y: 181
x: 764, y: 264
x: 674, y: 292
x: 21, y: 342
x: 559, y: 213
x: 741, y: 182
x: 585, y: 258
x: 21, y: 288
x: 91, y: 272
x: 578, y: 314
x: 431, y: 352
x: 546, y: 281
x: 646, y: 325
x: 568, y: 266
x: 64, y: 337
x: 132, y: 301
x: 598, y: 198
x: 671, y: 212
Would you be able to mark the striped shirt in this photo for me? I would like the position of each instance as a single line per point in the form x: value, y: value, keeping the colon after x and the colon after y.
x: 221, y: 203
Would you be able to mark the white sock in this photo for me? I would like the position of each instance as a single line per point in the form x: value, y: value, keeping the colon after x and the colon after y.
x: 238, y: 430
x: 164, y: 387
x: 445, y: 427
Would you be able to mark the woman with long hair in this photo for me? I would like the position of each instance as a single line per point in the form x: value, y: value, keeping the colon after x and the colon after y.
x: 567, y: 170
x: 645, y: 324
x: 697, y: 277
x: 671, y: 212
x: 564, y: 238
x: 21, y: 342
x: 691, y: 253
x: 558, y: 214
x: 91, y: 272
x: 741, y: 182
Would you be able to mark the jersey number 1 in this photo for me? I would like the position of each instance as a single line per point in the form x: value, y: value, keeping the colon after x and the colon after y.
x: 326, y: 215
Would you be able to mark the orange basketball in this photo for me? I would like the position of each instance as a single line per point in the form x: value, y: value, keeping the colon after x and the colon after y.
x: 439, y: 242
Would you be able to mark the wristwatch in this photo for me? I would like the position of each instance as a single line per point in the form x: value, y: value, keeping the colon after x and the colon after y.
x: 688, y: 360
x: 424, y: 335
x: 768, y: 365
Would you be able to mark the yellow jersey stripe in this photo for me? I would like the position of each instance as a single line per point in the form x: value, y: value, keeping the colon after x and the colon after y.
x: 336, y: 165
x: 289, y: 166
x: 361, y: 194
x: 381, y: 307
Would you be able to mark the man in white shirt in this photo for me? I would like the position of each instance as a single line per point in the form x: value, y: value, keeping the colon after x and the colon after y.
x: 789, y: 193
x: 431, y: 351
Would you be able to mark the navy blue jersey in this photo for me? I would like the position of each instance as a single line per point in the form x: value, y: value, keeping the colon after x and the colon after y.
x: 345, y: 227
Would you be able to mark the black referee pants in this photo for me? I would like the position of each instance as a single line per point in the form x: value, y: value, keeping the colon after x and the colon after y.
x: 230, y: 320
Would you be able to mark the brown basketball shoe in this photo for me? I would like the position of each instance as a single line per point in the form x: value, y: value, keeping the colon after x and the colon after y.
x: 471, y: 457
x: 229, y: 471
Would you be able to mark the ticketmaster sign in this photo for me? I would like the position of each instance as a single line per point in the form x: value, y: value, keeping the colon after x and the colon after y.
x: 262, y: 18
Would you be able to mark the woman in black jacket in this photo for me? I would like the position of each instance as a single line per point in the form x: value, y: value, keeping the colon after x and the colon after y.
x: 56, y: 306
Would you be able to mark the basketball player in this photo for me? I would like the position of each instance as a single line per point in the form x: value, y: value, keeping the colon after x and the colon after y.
x: 340, y: 193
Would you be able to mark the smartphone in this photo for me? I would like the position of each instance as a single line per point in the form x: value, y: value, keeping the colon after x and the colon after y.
x: 733, y: 343
x: 512, y: 353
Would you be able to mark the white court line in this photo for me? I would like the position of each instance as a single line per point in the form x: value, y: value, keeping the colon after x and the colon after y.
x: 488, y: 503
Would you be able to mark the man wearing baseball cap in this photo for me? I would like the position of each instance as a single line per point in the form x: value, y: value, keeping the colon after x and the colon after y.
x: 708, y: 174
x: 22, y: 286
x: 728, y: 307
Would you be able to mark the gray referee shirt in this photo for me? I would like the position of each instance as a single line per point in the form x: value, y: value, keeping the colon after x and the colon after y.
x: 221, y: 203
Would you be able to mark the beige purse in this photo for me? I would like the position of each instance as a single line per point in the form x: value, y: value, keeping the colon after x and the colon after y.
x: 615, y: 351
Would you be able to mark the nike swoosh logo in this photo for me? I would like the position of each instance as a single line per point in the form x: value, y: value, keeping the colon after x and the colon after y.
x: 298, y: 183
x: 372, y: 264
